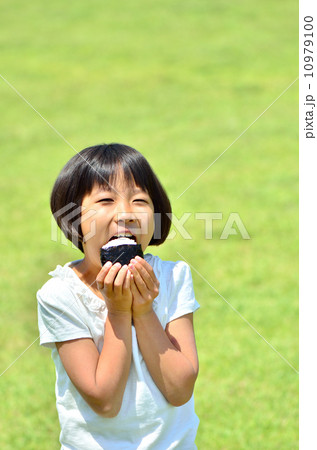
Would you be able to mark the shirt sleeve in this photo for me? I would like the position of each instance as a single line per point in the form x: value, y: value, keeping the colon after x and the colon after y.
x: 181, y: 292
x: 59, y: 314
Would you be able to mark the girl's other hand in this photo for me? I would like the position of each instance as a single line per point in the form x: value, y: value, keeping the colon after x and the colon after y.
x: 144, y: 286
x: 114, y: 282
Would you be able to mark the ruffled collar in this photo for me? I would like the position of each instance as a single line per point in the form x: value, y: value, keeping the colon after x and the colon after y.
x: 89, y: 299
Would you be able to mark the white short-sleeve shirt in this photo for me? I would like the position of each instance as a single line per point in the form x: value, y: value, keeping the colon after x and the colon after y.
x: 68, y: 309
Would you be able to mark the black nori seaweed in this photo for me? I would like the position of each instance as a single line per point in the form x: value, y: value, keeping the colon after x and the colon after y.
x: 120, y: 253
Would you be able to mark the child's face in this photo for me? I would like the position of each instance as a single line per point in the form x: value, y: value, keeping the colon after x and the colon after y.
x: 111, y: 211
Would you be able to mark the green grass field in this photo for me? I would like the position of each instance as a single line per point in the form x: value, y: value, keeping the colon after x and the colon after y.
x: 179, y: 81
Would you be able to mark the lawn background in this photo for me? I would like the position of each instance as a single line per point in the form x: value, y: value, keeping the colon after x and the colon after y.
x: 179, y: 81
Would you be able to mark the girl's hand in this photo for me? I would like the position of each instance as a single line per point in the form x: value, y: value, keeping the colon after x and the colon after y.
x: 144, y: 286
x: 114, y: 282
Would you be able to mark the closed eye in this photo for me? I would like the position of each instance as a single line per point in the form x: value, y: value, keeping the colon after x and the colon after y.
x: 140, y: 200
x: 105, y: 200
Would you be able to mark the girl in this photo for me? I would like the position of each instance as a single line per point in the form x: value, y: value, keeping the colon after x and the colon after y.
x: 122, y: 338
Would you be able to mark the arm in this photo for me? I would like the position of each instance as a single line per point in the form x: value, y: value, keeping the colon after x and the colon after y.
x: 101, y: 378
x: 170, y: 354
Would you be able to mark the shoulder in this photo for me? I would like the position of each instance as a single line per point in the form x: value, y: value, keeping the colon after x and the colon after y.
x: 59, y: 290
x: 54, y: 290
x: 174, y: 276
x: 61, y: 314
x: 176, y: 287
x: 172, y: 271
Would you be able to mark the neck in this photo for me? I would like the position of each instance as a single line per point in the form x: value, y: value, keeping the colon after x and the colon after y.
x: 87, y: 273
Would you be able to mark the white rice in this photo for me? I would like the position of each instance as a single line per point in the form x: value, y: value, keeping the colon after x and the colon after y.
x: 119, y: 241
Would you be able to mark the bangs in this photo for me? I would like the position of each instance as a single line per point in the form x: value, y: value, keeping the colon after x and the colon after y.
x: 106, y: 170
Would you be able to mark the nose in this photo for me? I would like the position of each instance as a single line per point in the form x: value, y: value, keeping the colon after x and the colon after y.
x: 125, y: 213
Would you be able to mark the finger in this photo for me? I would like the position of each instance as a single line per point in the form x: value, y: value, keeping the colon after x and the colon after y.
x: 139, y: 281
x: 143, y: 273
x: 105, y: 269
x: 119, y: 280
x: 134, y: 289
x: 111, y: 275
x: 103, y: 272
x: 127, y: 281
x: 147, y: 266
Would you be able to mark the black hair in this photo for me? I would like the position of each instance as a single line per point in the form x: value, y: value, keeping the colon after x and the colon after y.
x: 98, y: 165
